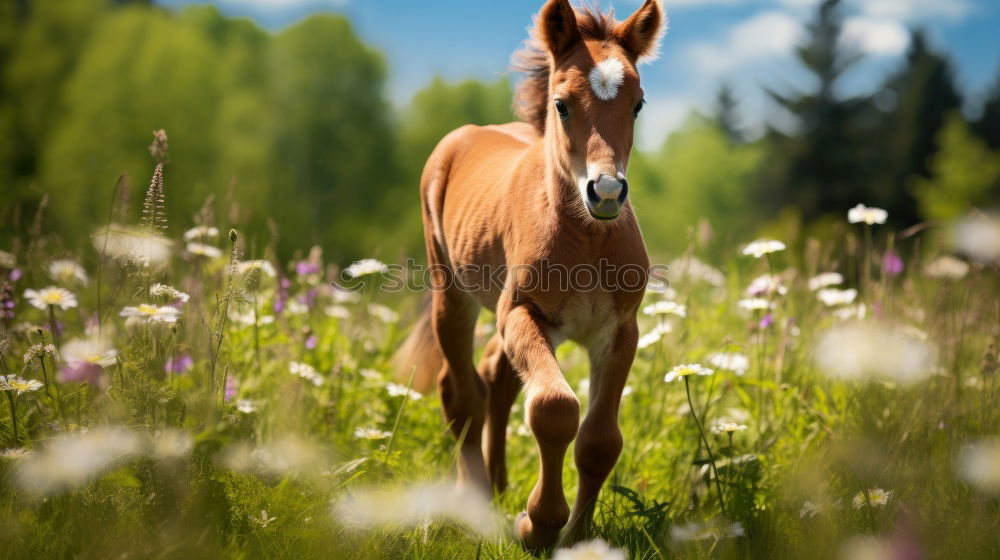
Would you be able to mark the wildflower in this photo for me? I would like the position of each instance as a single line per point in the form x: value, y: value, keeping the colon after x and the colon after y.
x: 728, y: 428
x: 265, y: 267
x: 18, y: 385
x: 341, y: 295
x: 810, y: 509
x: 665, y: 308
x: 85, y: 359
x: 16, y: 454
x: 246, y: 406
x: 38, y: 351
x: 146, y: 313
x: 231, y: 388
x: 383, y: 313
x: 305, y: 371
x: 7, y: 260
x: 66, y: 270
x: 870, y: 216
x: 201, y: 232
x: 654, y: 336
x: 365, y: 267
x: 72, y: 460
x: 178, y: 364
x: 689, y: 267
x: 397, y: 390
x: 825, y: 280
x: 51, y: 296
x: 168, y: 292
x: 892, y: 263
x: 947, y: 267
x: 979, y: 465
x: 296, y: 307
x: 766, y: 321
x: 766, y: 284
x: 371, y: 434
x: 246, y: 318
x: 859, y: 311
x: 755, y: 304
x: 877, y: 497
x: 684, y: 370
x: 204, y: 250
x: 861, y: 350
x: 417, y: 504
x: 263, y: 520
x: 763, y: 247
x: 337, y: 311
x: 978, y: 237
x: 138, y: 246
x: 832, y: 297
x: 731, y: 361
x: 589, y: 550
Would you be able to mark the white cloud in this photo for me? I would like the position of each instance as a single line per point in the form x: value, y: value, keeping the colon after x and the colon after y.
x: 877, y: 37
x: 662, y: 116
x: 916, y: 10
x: 763, y: 36
x: 283, y: 4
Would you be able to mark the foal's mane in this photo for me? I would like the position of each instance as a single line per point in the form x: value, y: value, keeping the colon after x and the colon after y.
x: 531, y: 100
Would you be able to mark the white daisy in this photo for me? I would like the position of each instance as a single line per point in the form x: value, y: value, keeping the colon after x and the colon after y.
x: 51, y: 296
x: 147, y: 313
x: 763, y: 247
x: 66, y: 270
x: 685, y: 370
x: 383, y: 313
x: 204, y: 250
x: 832, y: 297
x: 163, y: 290
x: 246, y: 406
x: 654, y: 336
x: 665, y: 308
x: 306, y: 371
x: 364, y: 267
x: 870, y: 216
x: 201, y: 232
x: 94, y: 351
x: 877, y: 497
x: 728, y: 428
x: 947, y: 267
x: 754, y: 304
x: 19, y: 385
x: 825, y: 280
x: 397, y: 390
x: 371, y: 434
x: 589, y: 550
x: 731, y: 361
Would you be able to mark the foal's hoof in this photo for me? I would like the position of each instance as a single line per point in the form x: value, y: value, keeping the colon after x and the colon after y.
x: 534, y: 537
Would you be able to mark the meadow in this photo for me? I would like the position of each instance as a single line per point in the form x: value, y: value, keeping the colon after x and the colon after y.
x: 175, y: 392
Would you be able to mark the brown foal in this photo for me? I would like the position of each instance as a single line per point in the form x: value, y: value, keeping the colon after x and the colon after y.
x: 531, y: 199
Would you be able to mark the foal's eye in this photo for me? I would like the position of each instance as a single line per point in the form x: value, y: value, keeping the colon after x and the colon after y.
x: 635, y: 112
x: 562, y: 109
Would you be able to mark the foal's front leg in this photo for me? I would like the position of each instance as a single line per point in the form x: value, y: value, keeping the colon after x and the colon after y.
x: 553, y: 413
x: 600, y: 440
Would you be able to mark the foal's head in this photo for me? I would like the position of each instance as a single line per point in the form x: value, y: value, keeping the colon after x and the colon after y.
x: 582, y: 91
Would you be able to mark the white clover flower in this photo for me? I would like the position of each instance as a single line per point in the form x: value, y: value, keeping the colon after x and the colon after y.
x: 870, y: 216
x: 371, y: 434
x: 383, y: 313
x: 684, y: 370
x: 18, y: 385
x: 397, y: 390
x: 51, y: 296
x: 138, y: 246
x: 95, y: 351
x: 862, y: 350
x: 825, y: 280
x: 246, y: 406
x: 877, y: 497
x: 979, y: 465
x: 305, y: 371
x: 947, y: 267
x: 201, y: 232
x: 365, y: 267
x: 589, y: 550
x: 145, y: 313
x: 204, y: 250
x: 66, y: 270
x: 832, y: 297
x: 665, y: 308
x: 169, y: 292
x: 731, y: 361
x: 755, y: 304
x: 766, y: 284
x: 728, y: 428
x: 264, y: 266
x: 655, y: 335
x: 978, y: 237
x: 762, y: 247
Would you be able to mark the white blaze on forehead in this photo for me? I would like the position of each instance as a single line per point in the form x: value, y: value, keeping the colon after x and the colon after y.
x: 606, y: 78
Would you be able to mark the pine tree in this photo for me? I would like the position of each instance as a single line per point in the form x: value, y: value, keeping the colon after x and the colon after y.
x: 987, y: 126
x: 727, y: 113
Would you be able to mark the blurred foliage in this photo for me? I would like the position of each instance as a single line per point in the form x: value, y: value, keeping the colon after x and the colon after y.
x: 965, y: 175
x: 291, y: 136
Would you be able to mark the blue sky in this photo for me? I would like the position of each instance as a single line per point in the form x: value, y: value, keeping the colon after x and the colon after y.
x: 747, y: 43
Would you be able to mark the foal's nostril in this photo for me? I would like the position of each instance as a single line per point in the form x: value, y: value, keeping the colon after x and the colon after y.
x: 624, y: 193
x: 591, y: 193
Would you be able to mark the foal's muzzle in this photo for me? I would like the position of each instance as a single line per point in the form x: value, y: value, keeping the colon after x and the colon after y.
x: 605, y: 196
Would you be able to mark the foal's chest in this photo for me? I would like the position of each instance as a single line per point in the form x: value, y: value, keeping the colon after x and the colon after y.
x: 586, y: 318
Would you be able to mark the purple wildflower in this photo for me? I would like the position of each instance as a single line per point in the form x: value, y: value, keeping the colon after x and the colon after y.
x: 305, y: 268
x: 231, y: 387
x: 16, y: 274
x: 311, y: 342
x: 7, y: 305
x: 766, y: 321
x: 892, y: 263
x: 282, y: 296
x: 81, y: 371
x: 178, y: 364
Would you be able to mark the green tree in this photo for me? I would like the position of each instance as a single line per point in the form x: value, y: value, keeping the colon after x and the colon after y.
x: 965, y: 173
x: 987, y: 126
x: 727, y: 113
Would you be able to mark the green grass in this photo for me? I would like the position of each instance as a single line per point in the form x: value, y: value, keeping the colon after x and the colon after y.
x: 809, y: 437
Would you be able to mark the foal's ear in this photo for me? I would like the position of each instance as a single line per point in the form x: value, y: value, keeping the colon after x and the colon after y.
x: 640, y: 34
x: 557, y: 26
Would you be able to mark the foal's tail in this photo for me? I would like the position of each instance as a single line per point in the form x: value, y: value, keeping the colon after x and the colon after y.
x: 419, y: 355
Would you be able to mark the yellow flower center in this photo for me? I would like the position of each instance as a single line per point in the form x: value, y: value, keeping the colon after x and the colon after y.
x: 147, y: 309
